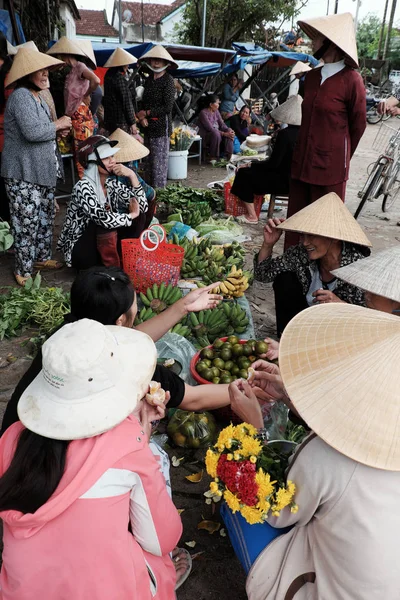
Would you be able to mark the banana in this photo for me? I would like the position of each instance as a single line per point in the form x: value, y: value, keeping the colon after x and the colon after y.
x: 201, y: 316
x: 229, y: 285
x: 144, y: 299
x: 161, y: 291
x: 194, y: 320
x: 149, y: 294
x: 223, y: 288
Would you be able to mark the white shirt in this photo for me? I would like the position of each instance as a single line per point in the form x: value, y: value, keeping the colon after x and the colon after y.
x: 316, y: 284
x: 330, y: 69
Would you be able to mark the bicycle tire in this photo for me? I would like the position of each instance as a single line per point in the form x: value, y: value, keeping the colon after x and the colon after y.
x: 386, y: 117
x: 373, y: 117
x: 389, y: 199
x: 367, y: 193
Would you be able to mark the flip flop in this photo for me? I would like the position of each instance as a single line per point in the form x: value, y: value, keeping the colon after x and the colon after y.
x: 48, y: 264
x: 189, y: 563
x: 244, y: 219
x: 20, y: 279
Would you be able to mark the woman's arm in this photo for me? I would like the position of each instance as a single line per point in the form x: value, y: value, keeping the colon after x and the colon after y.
x: 204, y: 120
x: 123, y: 91
x: 221, y: 124
x: 229, y: 94
x: 24, y: 109
x: 235, y: 125
x: 356, y: 110
x: 267, y: 268
x: 97, y: 213
x: 123, y: 193
x: 92, y: 78
x: 205, y: 397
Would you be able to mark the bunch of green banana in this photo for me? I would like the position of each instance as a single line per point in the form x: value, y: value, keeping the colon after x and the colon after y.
x: 144, y: 315
x: 181, y: 329
x: 158, y: 297
x: 195, y: 214
x: 208, y: 323
x: 236, y: 316
x: 234, y: 286
x: 6, y: 239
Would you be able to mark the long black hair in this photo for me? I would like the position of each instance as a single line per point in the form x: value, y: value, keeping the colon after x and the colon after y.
x: 102, y: 294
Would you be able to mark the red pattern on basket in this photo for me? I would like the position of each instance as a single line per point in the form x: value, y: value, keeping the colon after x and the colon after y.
x: 235, y: 207
x: 145, y: 268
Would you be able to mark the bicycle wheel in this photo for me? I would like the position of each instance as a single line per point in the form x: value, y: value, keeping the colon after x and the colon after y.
x: 386, y: 116
x: 371, y: 190
x: 390, y: 199
x: 373, y: 117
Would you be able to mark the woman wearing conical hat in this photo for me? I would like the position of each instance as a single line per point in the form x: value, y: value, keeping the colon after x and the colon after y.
x: 155, y: 115
x: 339, y: 371
x: 297, y: 78
x: 302, y: 275
x: 271, y: 176
x: 334, y: 114
x: 119, y: 109
x: 79, y: 84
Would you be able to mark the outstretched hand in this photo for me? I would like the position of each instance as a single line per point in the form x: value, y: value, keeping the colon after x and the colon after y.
x: 201, y: 299
x: 244, y: 403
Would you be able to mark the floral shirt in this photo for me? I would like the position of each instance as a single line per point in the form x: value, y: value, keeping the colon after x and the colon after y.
x: 85, y: 207
x: 296, y: 260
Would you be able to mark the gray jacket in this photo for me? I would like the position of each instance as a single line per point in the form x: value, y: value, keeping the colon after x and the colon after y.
x: 29, y: 140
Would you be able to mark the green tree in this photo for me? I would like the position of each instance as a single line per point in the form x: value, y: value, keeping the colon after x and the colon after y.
x: 234, y: 20
x: 368, y: 36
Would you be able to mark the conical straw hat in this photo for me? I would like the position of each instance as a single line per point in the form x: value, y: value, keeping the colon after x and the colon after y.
x: 11, y: 50
x: 300, y: 67
x: 289, y: 112
x: 340, y: 367
x: 329, y: 218
x: 130, y: 149
x: 378, y: 274
x: 87, y: 48
x: 66, y: 46
x: 339, y: 29
x: 29, y: 44
x: 120, y: 58
x: 29, y: 61
x: 159, y: 51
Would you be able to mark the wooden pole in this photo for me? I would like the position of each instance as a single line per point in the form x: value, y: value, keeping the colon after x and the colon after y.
x: 386, y: 48
x: 382, y: 32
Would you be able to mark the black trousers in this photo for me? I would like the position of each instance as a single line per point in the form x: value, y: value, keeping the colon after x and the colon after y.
x: 289, y: 299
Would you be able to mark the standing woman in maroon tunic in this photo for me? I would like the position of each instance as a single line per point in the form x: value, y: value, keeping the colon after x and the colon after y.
x: 333, y: 115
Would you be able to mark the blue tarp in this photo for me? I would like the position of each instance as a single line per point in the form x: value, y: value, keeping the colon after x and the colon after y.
x: 6, y: 27
x: 255, y: 55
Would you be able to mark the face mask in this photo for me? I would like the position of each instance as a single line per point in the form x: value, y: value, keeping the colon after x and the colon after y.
x: 158, y: 70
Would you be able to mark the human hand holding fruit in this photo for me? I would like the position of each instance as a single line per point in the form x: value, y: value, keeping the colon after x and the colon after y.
x: 244, y: 403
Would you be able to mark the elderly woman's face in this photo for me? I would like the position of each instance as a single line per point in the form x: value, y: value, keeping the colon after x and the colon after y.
x: 158, y: 63
x: 380, y: 303
x: 40, y: 79
x: 315, y: 245
x: 245, y: 113
x: 214, y: 106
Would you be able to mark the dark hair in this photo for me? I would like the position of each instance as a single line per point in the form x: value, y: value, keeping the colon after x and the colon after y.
x: 211, y: 98
x: 114, y: 70
x: 34, y: 472
x: 102, y: 294
x: 27, y: 83
x: 242, y: 109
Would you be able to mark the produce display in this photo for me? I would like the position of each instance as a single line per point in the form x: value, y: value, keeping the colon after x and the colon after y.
x: 184, y: 199
x: 219, y: 230
x: 192, y: 430
x: 212, y: 263
x: 248, y: 152
x: 6, y: 239
x: 158, y: 297
x: 234, y: 286
x: 227, y: 319
x: 229, y: 359
x: 32, y: 306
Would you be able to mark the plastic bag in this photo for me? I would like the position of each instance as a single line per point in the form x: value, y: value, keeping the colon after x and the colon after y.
x: 182, y: 231
x: 192, y: 430
x: 276, y: 421
x: 172, y: 345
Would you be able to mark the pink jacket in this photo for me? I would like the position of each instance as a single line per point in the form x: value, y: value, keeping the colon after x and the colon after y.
x: 77, y: 545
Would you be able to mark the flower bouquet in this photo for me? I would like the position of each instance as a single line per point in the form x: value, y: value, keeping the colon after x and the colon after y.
x: 182, y: 138
x: 249, y: 475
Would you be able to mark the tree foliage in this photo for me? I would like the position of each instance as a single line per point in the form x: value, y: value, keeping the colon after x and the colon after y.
x: 234, y: 20
x: 368, y: 36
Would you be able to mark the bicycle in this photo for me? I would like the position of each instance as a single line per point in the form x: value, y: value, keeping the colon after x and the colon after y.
x: 384, y: 177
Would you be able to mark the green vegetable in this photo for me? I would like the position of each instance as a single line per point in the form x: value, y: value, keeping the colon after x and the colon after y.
x: 6, y: 239
x: 248, y: 152
x: 32, y: 306
x: 178, y: 197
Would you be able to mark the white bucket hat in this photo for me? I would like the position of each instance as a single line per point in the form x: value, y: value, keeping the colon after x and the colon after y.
x: 289, y: 112
x: 93, y: 377
x: 340, y: 367
x: 378, y: 274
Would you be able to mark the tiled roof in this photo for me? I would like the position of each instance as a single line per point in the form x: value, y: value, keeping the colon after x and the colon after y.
x: 94, y: 23
x: 152, y: 13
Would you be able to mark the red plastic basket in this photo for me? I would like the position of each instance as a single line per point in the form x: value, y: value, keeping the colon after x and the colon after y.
x: 146, y: 266
x: 235, y: 207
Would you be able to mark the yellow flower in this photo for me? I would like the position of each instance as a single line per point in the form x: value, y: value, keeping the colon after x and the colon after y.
x: 275, y: 513
x: 265, y: 485
x: 250, y: 429
x: 252, y: 515
x: 213, y: 487
x: 253, y: 459
x: 294, y: 509
x: 229, y: 457
x: 232, y: 501
x: 282, y: 498
x: 291, y: 487
x: 212, y: 459
x: 264, y: 505
x: 250, y: 446
x: 226, y: 435
x: 236, y: 456
x: 218, y: 493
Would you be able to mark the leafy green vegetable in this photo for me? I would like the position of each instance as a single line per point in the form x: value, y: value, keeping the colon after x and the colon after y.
x: 32, y: 306
x: 6, y: 239
x: 177, y: 196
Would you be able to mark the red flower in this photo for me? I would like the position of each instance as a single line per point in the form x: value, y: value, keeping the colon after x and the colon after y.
x: 239, y: 478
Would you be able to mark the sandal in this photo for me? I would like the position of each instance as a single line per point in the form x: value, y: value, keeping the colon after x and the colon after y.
x: 179, y: 553
x: 244, y: 219
x: 21, y: 280
x: 48, y: 264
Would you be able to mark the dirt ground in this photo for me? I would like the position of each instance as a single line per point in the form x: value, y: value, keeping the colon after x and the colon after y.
x: 215, y: 563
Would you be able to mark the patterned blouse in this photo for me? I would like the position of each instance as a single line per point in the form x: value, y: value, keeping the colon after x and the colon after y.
x: 296, y: 260
x: 158, y: 98
x: 85, y: 207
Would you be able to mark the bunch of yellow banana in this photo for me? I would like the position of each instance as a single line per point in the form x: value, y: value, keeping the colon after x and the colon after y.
x: 234, y: 285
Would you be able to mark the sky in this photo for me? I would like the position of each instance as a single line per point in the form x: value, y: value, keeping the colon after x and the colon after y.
x: 314, y: 8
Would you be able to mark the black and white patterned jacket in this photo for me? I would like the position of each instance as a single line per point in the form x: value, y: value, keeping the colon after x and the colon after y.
x: 85, y: 207
x: 295, y: 260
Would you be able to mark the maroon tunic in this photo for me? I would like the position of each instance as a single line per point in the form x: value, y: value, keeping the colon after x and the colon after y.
x: 333, y: 122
